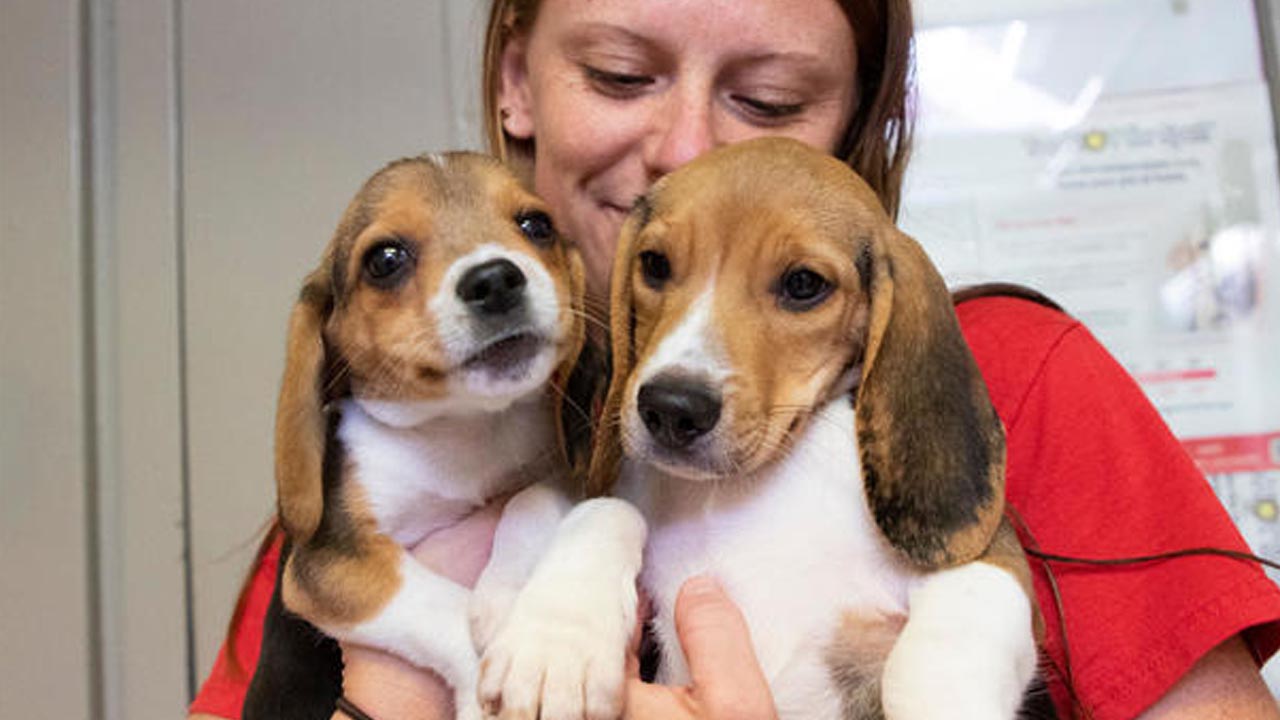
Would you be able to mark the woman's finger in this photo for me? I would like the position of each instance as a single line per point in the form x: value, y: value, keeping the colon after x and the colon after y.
x: 658, y: 702
x: 727, y: 680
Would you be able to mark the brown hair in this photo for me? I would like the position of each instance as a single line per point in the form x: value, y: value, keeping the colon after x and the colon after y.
x: 877, y: 142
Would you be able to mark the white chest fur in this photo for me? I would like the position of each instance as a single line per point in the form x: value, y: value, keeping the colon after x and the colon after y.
x: 420, y: 478
x: 794, y: 545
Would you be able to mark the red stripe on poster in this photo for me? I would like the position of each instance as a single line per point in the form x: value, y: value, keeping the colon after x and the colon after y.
x: 1235, y: 453
x: 1164, y: 376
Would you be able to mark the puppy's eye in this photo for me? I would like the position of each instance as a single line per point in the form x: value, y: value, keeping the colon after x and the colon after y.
x: 801, y: 289
x: 387, y: 263
x: 655, y: 268
x: 537, y: 227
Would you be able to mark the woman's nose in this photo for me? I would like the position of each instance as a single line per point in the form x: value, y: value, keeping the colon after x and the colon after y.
x: 682, y: 129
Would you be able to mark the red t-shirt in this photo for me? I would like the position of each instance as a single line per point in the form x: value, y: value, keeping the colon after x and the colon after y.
x: 223, y: 691
x: 1093, y: 472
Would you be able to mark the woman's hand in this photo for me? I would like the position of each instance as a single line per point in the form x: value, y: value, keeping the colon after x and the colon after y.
x: 726, y: 678
x: 382, y: 684
x: 727, y: 681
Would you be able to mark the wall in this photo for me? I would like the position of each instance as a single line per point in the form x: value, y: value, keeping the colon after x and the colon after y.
x: 168, y: 172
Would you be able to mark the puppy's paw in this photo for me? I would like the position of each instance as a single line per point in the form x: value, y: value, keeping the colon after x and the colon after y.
x: 490, y: 605
x: 967, y: 649
x: 469, y: 711
x: 465, y: 705
x: 560, y: 655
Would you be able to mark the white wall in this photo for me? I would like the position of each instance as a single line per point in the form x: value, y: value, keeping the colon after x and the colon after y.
x: 168, y: 172
x: 286, y: 108
x: 45, y: 564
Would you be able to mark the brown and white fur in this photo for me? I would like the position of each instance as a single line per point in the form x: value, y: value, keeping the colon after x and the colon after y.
x: 798, y: 416
x: 418, y: 386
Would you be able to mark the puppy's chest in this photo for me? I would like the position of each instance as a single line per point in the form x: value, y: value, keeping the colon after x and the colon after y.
x: 795, y: 546
x: 416, y: 480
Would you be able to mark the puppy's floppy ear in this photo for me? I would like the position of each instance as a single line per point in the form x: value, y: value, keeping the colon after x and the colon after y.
x: 575, y: 378
x: 932, y: 447
x: 606, y: 458
x: 301, y: 420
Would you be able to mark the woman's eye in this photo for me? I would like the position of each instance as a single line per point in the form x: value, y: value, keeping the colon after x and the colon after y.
x: 536, y: 226
x: 801, y: 289
x: 767, y: 110
x: 655, y: 268
x: 616, y: 84
x: 387, y: 263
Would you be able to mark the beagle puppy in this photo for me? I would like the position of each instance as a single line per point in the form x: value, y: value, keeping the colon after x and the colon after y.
x: 427, y: 357
x: 793, y: 410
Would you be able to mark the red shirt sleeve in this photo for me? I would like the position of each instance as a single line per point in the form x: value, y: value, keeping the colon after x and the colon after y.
x: 1094, y: 472
x: 222, y: 693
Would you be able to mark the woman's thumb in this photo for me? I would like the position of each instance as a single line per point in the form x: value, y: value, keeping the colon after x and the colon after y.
x: 717, y: 644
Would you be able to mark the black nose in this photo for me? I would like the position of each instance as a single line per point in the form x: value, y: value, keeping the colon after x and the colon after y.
x: 492, y: 288
x: 677, y: 411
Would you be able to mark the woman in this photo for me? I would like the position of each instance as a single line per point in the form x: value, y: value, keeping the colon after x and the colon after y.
x: 595, y: 99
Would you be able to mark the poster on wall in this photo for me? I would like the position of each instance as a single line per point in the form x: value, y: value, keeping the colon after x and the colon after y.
x: 1120, y: 158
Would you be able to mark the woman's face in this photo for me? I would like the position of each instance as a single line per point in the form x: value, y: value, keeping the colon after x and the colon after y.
x: 617, y: 93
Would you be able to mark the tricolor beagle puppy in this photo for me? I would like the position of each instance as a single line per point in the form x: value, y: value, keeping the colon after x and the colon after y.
x: 426, y: 360
x: 795, y: 412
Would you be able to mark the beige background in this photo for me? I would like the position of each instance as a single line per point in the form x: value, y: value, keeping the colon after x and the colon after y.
x: 168, y: 172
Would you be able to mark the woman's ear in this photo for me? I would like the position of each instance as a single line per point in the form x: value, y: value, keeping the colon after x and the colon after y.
x: 515, y: 100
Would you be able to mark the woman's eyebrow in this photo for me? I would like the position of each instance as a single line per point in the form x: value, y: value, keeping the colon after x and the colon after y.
x: 591, y: 32
x: 804, y: 65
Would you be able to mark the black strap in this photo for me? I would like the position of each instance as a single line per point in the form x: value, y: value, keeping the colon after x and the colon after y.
x: 971, y: 292
x: 350, y: 710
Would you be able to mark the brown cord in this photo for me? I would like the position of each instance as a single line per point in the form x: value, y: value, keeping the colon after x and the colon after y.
x: 1186, y: 552
x: 1032, y: 548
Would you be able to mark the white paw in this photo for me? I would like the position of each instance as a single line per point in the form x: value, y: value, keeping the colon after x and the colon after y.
x: 467, y: 707
x: 561, y: 654
x: 967, y: 649
x: 490, y: 605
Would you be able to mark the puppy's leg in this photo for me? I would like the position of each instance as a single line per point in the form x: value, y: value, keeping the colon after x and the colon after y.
x: 376, y: 594
x: 967, y: 650
x: 524, y: 532
x: 561, y: 652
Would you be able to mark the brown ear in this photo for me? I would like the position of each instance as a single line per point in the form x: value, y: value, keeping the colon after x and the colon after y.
x: 574, y: 378
x: 301, y: 422
x: 606, y: 457
x: 932, y: 447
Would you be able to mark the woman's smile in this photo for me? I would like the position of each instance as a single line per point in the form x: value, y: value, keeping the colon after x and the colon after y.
x: 614, y: 94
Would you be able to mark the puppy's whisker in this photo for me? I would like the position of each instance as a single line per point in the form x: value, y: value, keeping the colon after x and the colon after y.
x: 590, y: 318
x: 340, y: 372
x: 569, y: 402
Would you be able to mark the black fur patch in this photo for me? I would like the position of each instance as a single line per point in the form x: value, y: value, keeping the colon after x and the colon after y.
x: 643, y: 211
x: 583, y: 392
x: 336, y: 535
x: 1037, y: 703
x: 317, y: 297
x: 938, y: 453
x: 299, y: 673
x: 863, y: 265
